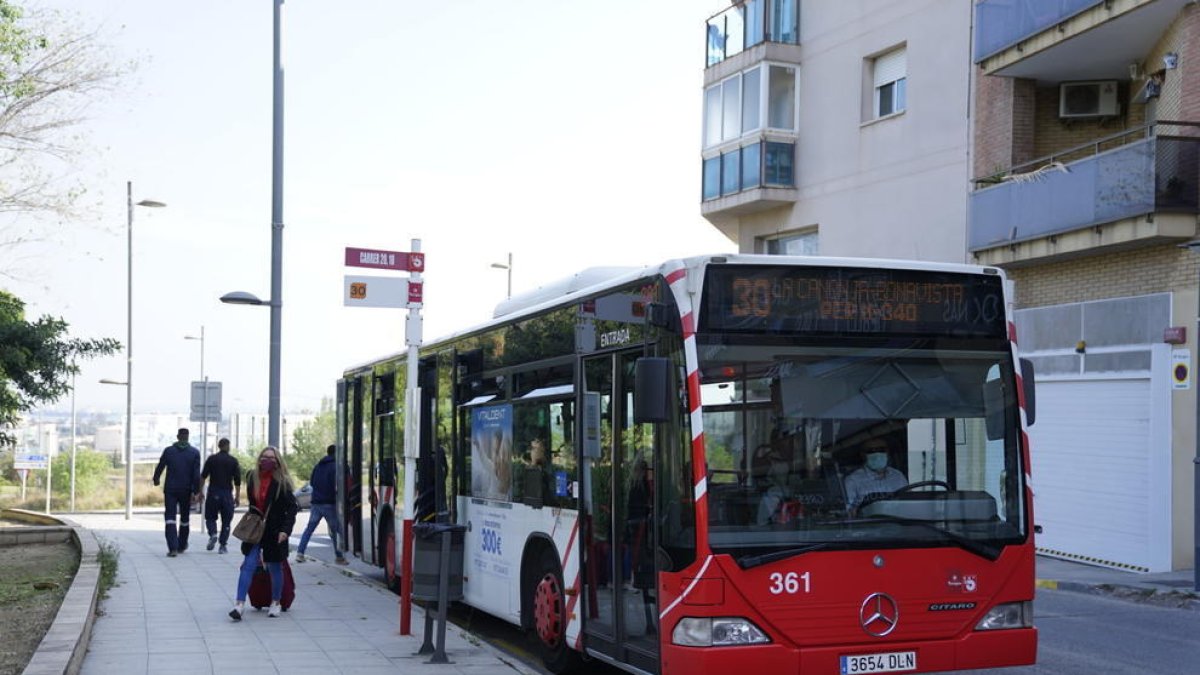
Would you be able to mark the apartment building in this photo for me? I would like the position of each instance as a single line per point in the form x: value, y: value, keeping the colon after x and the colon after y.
x: 1085, y: 165
x: 838, y: 128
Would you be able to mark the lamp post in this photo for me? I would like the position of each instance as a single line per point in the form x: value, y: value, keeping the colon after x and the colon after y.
x: 276, y: 301
x: 204, y: 429
x: 129, y: 346
x: 502, y: 266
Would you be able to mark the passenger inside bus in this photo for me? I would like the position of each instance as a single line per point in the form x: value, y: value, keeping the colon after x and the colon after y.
x: 875, y: 478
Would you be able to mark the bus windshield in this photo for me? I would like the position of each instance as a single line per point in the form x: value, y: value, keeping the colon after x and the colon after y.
x: 862, y: 443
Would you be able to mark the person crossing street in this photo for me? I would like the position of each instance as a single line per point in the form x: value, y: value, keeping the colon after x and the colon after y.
x: 181, y: 461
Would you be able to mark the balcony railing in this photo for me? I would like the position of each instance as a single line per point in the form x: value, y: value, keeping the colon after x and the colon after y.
x: 763, y: 164
x: 1130, y: 174
x: 749, y: 23
x: 1000, y: 24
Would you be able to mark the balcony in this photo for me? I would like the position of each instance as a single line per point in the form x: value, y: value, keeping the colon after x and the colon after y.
x: 1065, y: 40
x: 1130, y: 189
x: 750, y: 23
x: 749, y: 179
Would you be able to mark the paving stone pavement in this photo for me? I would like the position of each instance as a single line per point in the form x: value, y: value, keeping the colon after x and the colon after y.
x: 170, y: 615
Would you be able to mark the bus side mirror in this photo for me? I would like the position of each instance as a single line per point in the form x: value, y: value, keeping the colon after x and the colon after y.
x: 652, y: 391
x: 1027, y: 382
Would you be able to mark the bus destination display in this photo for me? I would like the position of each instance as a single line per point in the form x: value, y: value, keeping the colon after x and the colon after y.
x: 852, y: 300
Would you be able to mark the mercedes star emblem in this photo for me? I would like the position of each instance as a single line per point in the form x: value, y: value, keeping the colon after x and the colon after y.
x: 879, y: 614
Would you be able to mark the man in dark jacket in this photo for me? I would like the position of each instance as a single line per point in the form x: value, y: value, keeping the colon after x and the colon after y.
x: 324, y: 496
x: 182, y: 464
x: 223, y: 475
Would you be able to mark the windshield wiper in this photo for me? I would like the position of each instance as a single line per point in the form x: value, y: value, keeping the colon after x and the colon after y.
x: 748, y: 561
x: 967, y: 544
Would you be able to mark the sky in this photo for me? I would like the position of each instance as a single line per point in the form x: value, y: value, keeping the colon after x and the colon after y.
x: 566, y: 133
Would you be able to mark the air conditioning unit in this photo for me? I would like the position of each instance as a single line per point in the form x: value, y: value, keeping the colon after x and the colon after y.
x: 1094, y: 98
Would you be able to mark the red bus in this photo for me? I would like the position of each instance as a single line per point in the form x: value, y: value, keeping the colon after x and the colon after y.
x: 800, y: 465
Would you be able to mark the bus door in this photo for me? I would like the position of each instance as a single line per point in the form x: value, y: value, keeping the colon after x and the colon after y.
x: 384, y: 474
x: 352, y: 482
x: 619, y: 595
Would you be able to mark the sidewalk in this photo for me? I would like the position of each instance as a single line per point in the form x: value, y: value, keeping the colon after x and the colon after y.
x: 170, y: 615
x: 1168, y: 589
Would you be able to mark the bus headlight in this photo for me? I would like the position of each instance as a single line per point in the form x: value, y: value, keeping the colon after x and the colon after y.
x: 1009, y: 615
x: 719, y: 632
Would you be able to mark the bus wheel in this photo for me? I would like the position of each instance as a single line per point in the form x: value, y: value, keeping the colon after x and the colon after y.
x: 388, y: 541
x: 550, y: 615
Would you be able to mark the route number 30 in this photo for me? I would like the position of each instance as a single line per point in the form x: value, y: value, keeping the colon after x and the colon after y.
x: 788, y: 583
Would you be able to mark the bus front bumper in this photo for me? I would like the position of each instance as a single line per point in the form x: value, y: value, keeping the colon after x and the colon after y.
x: 982, y: 649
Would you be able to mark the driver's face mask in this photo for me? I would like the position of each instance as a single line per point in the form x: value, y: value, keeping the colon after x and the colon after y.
x: 877, y: 461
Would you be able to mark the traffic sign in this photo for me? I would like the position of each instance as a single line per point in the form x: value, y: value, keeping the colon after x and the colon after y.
x: 26, y: 461
x: 374, y: 258
x: 361, y: 291
x: 206, y: 408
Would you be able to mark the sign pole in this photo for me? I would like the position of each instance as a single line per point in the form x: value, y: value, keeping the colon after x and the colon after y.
x: 24, y: 478
x: 412, y: 445
x: 49, y: 463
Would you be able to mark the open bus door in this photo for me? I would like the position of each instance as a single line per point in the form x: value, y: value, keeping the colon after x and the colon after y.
x: 350, y: 436
x: 620, y: 598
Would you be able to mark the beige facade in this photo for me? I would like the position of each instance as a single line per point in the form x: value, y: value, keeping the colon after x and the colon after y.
x: 866, y: 184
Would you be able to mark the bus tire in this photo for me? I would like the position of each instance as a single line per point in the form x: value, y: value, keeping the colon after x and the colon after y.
x: 549, y: 604
x: 387, y: 556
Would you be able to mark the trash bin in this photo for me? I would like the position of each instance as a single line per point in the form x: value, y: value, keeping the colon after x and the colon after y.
x: 427, y: 560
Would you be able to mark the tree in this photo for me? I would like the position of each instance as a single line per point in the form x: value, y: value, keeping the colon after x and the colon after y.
x: 51, y: 70
x: 310, y: 440
x: 37, y: 360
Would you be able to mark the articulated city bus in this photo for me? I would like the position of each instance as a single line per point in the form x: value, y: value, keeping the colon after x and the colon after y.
x: 781, y: 464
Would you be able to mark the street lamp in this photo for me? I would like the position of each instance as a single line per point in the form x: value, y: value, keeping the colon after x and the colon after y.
x: 276, y: 301
x: 502, y: 266
x: 150, y: 203
x: 204, y: 380
x: 244, y: 298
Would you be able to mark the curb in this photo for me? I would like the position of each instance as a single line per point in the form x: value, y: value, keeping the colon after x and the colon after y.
x: 1141, y: 594
x: 62, y: 649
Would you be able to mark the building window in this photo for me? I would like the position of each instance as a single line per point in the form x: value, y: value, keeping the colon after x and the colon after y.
x: 762, y: 96
x: 748, y: 23
x: 794, y: 244
x: 889, y: 74
x: 781, y: 103
x: 762, y: 164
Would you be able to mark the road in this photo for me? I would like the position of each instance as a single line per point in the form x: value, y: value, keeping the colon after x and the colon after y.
x: 1080, y: 634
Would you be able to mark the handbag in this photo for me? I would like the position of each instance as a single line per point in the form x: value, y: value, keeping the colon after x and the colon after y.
x: 250, y: 528
x: 252, y: 525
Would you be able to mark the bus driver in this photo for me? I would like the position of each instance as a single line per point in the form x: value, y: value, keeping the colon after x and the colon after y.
x: 874, y: 478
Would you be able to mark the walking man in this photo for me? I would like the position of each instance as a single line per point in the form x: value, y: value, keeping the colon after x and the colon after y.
x: 182, y: 464
x: 324, y: 494
x: 224, y: 491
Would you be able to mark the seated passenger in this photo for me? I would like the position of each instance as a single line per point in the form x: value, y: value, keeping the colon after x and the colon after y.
x: 874, y: 478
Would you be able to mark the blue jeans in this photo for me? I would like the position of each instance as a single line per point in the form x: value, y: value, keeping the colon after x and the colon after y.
x: 219, y: 502
x: 250, y: 566
x: 317, y: 512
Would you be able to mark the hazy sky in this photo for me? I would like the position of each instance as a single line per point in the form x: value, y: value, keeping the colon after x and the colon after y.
x: 565, y: 132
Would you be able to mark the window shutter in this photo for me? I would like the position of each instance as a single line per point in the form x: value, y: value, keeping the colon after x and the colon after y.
x: 890, y: 67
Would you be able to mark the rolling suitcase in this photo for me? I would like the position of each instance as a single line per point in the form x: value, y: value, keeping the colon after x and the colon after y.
x: 260, y: 588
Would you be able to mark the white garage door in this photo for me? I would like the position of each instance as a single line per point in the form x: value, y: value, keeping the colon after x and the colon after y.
x: 1101, y: 471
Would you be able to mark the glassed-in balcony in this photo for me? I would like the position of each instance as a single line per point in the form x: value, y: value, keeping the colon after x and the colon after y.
x: 763, y: 164
x: 1143, y: 171
x: 1000, y: 24
x: 749, y: 23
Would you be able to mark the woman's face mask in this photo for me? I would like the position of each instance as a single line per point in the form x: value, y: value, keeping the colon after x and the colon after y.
x: 267, y: 464
x: 877, y: 461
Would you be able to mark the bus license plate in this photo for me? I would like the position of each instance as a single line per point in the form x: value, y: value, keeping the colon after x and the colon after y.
x: 890, y: 662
